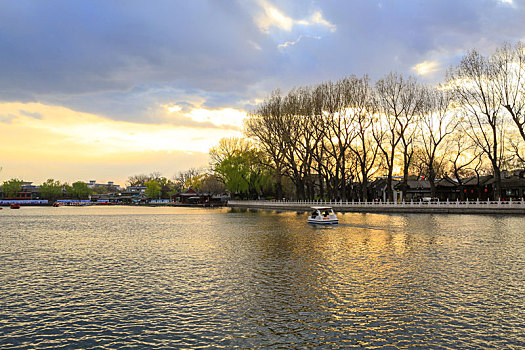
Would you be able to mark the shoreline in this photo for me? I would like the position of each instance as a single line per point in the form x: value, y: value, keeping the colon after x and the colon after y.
x: 517, y: 208
x: 484, y: 208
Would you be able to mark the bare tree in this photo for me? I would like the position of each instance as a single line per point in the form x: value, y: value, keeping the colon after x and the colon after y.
x: 266, y: 126
x: 397, y: 100
x: 517, y: 148
x: 509, y: 78
x: 339, y: 130
x: 292, y: 132
x: 212, y: 184
x: 435, y: 126
x: 138, y: 180
x: 364, y: 147
x: 480, y: 102
x: 509, y: 63
x: 460, y: 157
x: 184, y: 177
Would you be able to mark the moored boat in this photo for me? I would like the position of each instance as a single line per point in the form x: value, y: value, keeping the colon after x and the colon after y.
x: 14, y: 206
x: 323, y: 216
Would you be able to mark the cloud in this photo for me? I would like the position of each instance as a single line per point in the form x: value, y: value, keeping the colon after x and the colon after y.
x: 255, y: 45
x: 7, y: 118
x: 64, y: 133
x: 317, y: 18
x: 226, y: 118
x: 271, y: 16
x: 426, y: 67
x: 124, y: 61
x: 35, y: 115
x: 293, y: 43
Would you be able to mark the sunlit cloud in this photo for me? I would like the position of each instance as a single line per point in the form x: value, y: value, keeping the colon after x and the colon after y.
x: 274, y: 17
x: 222, y: 117
x: 226, y: 118
x: 317, y: 18
x: 293, y: 43
x: 63, y: 133
x: 174, y: 108
x: 426, y: 67
x: 255, y: 45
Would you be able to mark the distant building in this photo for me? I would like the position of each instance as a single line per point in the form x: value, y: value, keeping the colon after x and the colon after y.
x: 415, y: 190
x: 192, y: 197
x: 513, y: 185
x: 109, y: 187
x: 478, y: 187
x: 378, y: 188
x: 27, y: 191
x: 447, y: 188
x: 132, y: 195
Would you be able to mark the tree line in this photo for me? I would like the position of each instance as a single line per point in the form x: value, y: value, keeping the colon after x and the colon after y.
x: 330, y: 139
x: 156, y: 186
x: 50, y: 189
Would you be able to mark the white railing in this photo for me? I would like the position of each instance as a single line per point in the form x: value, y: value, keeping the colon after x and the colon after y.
x: 401, y: 204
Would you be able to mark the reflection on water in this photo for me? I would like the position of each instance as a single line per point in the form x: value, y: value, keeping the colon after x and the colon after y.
x: 130, y: 277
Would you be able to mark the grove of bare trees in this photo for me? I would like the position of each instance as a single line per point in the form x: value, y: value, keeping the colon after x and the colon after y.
x: 331, y: 139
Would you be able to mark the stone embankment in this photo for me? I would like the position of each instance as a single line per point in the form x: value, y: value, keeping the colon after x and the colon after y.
x: 475, y: 207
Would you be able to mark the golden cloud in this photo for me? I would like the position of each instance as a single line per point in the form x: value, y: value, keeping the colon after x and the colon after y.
x: 64, y: 135
x: 426, y: 67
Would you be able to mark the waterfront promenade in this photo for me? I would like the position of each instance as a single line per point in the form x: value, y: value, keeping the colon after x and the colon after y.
x: 457, y: 207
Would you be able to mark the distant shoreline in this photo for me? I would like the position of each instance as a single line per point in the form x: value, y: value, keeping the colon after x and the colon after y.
x: 177, y: 205
x: 502, y: 208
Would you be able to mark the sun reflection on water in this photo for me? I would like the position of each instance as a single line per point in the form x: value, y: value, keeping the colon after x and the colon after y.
x: 187, y: 278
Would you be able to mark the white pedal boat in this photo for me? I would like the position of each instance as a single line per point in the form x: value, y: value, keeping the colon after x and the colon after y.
x: 323, y: 216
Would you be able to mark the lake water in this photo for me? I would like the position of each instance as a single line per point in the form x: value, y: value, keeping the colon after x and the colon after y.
x: 139, y: 277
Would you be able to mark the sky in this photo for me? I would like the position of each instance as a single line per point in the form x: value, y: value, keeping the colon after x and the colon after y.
x: 102, y: 90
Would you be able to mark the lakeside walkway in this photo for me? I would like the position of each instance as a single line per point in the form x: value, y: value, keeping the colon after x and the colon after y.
x: 467, y: 207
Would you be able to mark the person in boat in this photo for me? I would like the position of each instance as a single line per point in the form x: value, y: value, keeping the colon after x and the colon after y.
x: 314, y: 213
x: 326, y: 213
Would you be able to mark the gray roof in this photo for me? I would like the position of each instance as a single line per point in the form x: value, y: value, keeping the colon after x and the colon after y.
x: 416, y: 184
x: 473, y: 180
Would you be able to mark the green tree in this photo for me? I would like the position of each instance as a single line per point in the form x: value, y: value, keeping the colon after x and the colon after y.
x: 243, y: 171
x: 78, y: 190
x: 153, y: 189
x: 166, y: 187
x: 11, y: 187
x: 195, y: 182
x: 100, y: 190
x: 51, y: 189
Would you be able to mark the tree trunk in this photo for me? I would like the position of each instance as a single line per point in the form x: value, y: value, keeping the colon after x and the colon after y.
x: 497, y: 182
x: 364, y: 189
x: 278, y: 184
x: 299, y: 189
x: 431, y: 179
x: 389, y: 189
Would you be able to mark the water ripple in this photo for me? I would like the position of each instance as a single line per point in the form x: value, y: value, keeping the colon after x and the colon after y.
x: 158, y: 278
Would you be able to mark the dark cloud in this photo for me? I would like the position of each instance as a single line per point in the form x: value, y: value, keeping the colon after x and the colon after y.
x: 122, y: 59
x: 35, y: 115
x: 7, y: 118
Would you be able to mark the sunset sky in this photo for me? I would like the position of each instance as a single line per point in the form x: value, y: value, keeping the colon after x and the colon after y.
x: 101, y: 90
